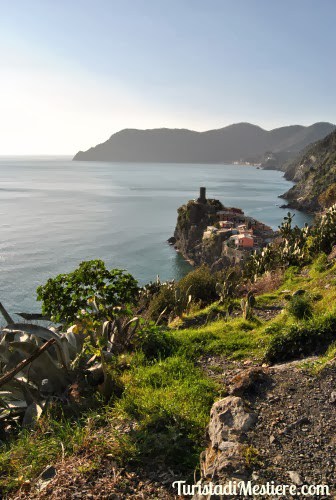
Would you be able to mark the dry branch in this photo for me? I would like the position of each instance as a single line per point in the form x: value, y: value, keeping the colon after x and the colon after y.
x: 10, y: 374
x: 5, y: 314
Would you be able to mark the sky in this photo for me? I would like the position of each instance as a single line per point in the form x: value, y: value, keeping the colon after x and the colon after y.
x: 73, y: 72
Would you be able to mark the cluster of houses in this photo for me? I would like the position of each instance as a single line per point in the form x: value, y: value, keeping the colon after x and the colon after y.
x: 235, y: 228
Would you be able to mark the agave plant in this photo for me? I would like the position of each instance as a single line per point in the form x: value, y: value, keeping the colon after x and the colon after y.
x: 38, y: 364
x: 23, y: 395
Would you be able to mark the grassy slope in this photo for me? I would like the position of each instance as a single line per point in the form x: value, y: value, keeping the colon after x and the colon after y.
x: 165, y: 405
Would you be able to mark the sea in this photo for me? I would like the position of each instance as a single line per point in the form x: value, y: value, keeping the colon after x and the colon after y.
x: 56, y: 213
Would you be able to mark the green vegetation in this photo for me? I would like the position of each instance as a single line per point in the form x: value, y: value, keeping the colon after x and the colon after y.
x: 300, y: 307
x: 148, y: 347
x: 169, y: 400
x: 170, y: 301
x: 26, y: 455
x: 90, y: 289
x: 297, y: 247
x: 311, y: 337
x: 201, y: 284
x: 252, y: 457
x: 173, y: 299
x: 236, y: 339
x: 316, y: 366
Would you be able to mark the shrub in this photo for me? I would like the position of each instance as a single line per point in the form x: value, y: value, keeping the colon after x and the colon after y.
x: 325, y: 231
x: 313, y: 337
x: 170, y: 302
x: 89, y: 288
x: 300, y: 307
x: 268, y: 282
x: 162, y: 301
x: 201, y: 284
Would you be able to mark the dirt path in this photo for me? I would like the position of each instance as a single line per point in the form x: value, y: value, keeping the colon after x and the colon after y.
x: 294, y: 439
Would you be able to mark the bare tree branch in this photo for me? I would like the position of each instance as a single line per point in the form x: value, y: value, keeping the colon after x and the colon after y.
x: 11, y: 374
x: 5, y: 314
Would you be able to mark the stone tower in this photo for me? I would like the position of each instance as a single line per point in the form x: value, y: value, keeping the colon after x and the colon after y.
x: 202, y: 196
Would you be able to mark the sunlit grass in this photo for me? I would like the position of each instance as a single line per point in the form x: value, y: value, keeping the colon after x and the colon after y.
x: 167, y: 397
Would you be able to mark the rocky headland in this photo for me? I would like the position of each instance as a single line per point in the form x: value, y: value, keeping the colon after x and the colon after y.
x: 314, y: 174
x: 207, y: 232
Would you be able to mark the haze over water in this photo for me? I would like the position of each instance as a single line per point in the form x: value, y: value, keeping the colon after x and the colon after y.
x: 55, y: 213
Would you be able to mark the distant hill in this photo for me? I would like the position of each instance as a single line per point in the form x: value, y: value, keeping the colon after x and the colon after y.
x: 238, y: 142
x: 315, y: 175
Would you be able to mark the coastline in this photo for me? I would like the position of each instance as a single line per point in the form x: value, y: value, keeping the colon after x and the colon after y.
x: 129, y: 211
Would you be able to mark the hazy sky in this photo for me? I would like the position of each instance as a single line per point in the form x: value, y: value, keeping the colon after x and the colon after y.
x: 72, y: 72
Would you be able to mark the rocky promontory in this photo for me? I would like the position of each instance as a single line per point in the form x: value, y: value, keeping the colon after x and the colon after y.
x: 207, y: 232
x: 314, y: 174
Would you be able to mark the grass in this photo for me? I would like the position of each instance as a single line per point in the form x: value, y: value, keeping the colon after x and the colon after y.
x: 268, y: 299
x: 169, y: 400
x: 316, y: 366
x: 237, y: 338
x: 29, y: 453
x: 163, y: 411
x: 303, y: 338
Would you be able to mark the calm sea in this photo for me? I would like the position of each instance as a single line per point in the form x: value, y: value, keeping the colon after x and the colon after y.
x: 55, y: 213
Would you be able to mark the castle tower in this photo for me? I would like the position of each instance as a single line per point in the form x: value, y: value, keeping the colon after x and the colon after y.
x: 202, y: 196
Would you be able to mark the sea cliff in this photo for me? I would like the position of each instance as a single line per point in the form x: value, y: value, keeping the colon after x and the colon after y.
x: 314, y: 174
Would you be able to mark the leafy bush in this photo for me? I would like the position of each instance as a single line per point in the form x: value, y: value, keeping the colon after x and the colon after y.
x: 162, y: 301
x: 89, y: 288
x: 312, y: 337
x: 300, y: 307
x: 201, y: 284
x: 169, y: 302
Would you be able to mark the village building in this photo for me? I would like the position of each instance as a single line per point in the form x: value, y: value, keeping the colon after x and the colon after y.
x: 243, y: 229
x: 226, y: 224
x: 243, y: 240
x: 210, y: 230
